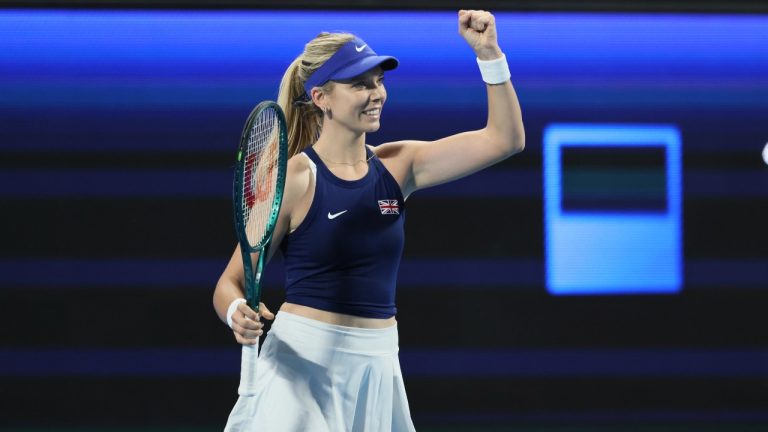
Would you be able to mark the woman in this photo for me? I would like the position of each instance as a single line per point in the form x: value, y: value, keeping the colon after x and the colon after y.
x: 330, y: 360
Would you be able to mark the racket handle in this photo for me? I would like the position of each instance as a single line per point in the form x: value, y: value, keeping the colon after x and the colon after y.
x: 248, y: 369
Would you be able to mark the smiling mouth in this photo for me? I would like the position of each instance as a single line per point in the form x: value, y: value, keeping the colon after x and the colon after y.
x: 375, y: 112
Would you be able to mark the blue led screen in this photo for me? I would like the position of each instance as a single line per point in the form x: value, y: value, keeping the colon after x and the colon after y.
x: 612, y: 209
x: 117, y: 138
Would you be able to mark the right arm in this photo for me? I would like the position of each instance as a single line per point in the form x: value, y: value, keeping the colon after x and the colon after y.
x: 246, y: 323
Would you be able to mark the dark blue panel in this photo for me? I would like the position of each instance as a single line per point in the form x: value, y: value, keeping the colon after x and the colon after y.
x: 414, y: 273
x: 415, y: 363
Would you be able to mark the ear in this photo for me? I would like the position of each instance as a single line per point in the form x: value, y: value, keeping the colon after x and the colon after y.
x: 318, y: 97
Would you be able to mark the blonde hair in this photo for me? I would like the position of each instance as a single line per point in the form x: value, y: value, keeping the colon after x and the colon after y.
x: 304, y: 118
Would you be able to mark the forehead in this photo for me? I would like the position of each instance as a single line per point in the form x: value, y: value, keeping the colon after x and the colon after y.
x: 375, y: 72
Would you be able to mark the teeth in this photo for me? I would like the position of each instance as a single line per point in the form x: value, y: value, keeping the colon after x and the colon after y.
x: 372, y: 111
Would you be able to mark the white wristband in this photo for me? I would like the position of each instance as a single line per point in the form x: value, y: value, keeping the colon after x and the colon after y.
x: 494, y: 71
x: 232, y: 308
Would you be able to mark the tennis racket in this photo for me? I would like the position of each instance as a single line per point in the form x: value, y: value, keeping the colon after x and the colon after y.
x: 258, y: 192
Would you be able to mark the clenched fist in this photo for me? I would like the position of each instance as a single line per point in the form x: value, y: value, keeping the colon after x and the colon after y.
x: 478, y: 28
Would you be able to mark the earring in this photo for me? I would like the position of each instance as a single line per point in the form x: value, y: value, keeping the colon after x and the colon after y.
x: 327, y: 112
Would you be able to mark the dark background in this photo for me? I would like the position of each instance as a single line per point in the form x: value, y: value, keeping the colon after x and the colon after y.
x: 117, y: 131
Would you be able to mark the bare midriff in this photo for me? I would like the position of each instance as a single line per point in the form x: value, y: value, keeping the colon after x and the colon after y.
x: 337, y: 318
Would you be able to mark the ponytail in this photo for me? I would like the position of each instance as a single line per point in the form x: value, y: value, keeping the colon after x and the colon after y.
x: 303, y: 118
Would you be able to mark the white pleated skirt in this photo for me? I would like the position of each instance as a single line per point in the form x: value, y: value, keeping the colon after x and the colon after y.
x: 313, y: 376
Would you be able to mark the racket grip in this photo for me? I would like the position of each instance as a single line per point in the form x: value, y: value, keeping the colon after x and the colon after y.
x: 248, y: 364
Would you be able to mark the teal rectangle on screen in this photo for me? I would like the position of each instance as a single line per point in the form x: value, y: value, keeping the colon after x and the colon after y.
x: 608, y: 178
x: 612, y: 198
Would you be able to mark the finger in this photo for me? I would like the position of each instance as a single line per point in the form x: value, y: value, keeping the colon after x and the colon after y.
x: 248, y: 333
x: 247, y: 311
x: 252, y: 334
x: 243, y: 341
x: 245, y: 322
x: 265, y: 312
x: 473, y: 23
x: 481, y: 20
x: 463, y: 20
x: 244, y: 325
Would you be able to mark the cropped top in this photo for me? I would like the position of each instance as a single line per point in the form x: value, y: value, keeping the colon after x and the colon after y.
x: 345, y: 254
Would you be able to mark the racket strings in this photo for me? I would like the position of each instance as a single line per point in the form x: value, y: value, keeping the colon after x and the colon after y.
x: 260, y: 175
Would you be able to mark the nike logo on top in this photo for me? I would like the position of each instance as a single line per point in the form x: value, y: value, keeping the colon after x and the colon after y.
x: 335, y: 215
x: 360, y: 49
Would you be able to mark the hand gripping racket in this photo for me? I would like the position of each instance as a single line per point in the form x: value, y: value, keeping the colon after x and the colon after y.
x: 258, y: 192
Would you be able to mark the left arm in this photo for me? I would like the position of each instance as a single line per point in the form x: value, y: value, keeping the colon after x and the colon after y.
x: 432, y: 163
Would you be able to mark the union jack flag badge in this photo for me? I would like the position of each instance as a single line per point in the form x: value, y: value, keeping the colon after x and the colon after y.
x: 389, y: 207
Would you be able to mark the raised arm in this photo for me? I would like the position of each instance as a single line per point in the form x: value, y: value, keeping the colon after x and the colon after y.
x: 446, y: 159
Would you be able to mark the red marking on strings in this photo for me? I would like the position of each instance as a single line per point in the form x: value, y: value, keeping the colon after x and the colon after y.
x: 248, y: 193
x: 262, y: 190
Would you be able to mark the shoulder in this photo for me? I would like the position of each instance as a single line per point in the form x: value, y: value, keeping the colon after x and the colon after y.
x: 397, y: 157
x: 395, y: 150
x: 398, y: 153
x: 298, y: 164
x: 298, y: 179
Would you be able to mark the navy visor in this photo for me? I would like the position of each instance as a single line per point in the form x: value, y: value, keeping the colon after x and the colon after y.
x: 352, y: 59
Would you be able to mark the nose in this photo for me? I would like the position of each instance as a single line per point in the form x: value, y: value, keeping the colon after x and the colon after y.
x: 377, y: 91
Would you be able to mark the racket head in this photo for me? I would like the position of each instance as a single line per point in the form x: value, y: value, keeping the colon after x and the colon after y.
x: 260, y: 172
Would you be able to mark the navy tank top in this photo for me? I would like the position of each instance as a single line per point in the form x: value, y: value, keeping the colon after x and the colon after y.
x: 345, y: 254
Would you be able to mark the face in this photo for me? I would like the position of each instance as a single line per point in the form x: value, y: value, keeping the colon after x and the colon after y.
x: 356, y: 103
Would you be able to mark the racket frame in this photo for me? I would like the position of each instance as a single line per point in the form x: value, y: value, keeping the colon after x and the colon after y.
x: 253, y: 278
